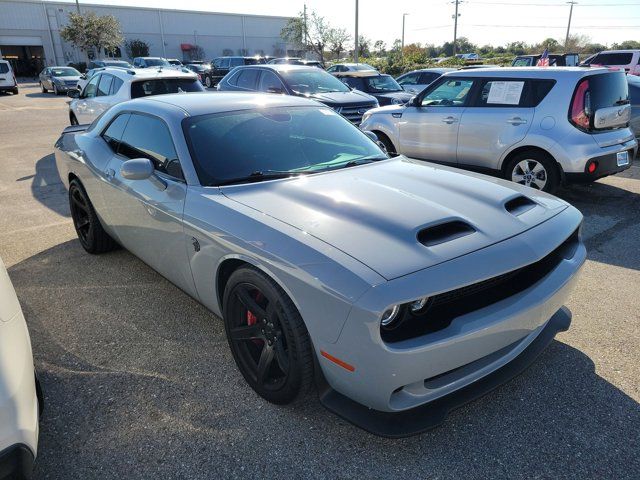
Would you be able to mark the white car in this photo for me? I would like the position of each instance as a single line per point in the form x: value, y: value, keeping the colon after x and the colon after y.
x: 115, y: 85
x: 418, y: 80
x: 20, y: 401
x: 8, y: 82
x: 629, y: 60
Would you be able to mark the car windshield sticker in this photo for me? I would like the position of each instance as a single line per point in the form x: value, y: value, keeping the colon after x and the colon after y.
x: 505, y: 93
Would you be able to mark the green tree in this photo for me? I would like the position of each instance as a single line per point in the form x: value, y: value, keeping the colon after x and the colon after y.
x: 310, y: 34
x: 136, y: 48
x: 364, y: 47
x: 379, y: 47
x: 626, y: 45
x: 88, y: 30
x: 337, y: 39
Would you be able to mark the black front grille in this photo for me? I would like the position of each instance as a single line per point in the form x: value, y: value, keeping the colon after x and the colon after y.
x: 354, y: 113
x: 444, y: 307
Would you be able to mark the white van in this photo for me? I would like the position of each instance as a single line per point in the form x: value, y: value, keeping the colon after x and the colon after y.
x: 8, y: 82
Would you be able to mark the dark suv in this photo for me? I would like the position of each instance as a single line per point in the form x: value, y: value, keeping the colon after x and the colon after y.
x: 379, y: 85
x: 222, y: 65
x: 302, y: 81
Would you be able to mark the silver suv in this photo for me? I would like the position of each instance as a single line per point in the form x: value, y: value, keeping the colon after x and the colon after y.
x: 535, y: 126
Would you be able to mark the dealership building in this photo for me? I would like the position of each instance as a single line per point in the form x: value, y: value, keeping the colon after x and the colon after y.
x: 30, y: 33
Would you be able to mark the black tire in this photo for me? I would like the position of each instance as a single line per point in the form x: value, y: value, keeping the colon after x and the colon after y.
x: 207, y: 81
x: 73, y: 120
x: 535, y: 169
x: 388, y: 145
x: 55, y: 90
x: 277, y: 339
x: 15, y: 91
x: 92, y: 236
x: 44, y: 90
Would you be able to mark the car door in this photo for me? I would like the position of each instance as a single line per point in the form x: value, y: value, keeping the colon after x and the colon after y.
x: 146, y: 215
x: 498, y: 116
x: 428, y: 129
x: 83, y: 105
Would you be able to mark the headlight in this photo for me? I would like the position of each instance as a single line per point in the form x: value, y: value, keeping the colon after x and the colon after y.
x: 389, y: 315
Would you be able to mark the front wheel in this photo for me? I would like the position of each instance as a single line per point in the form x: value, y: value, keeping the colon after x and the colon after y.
x: 207, y: 81
x: 44, y: 90
x: 55, y: 90
x: 267, y: 337
x: 15, y: 91
x: 73, y: 120
x: 534, y: 169
x: 92, y: 236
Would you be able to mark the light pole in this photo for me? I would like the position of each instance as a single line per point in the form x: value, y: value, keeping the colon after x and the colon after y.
x: 455, y: 26
x: 355, y: 43
x: 402, y: 44
x: 566, y: 39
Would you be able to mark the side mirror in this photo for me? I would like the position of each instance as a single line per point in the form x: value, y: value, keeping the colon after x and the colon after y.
x: 372, y: 136
x: 415, y: 101
x: 73, y: 93
x: 137, y: 169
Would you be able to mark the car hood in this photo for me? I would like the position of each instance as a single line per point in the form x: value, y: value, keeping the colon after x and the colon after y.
x: 353, y: 97
x: 376, y: 212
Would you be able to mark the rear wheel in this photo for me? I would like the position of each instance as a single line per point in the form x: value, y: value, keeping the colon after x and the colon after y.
x: 92, y: 236
x: 533, y: 169
x: 267, y: 337
x: 15, y: 91
x: 73, y: 119
x: 55, y: 90
x: 44, y: 90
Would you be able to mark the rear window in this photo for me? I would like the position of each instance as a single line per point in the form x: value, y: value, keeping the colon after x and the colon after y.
x: 608, y: 90
x: 612, y: 59
x: 161, y: 86
x: 4, y: 67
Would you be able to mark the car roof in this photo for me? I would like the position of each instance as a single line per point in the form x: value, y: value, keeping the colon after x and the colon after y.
x: 361, y: 73
x: 202, y: 103
x: 432, y: 70
x: 133, y: 74
x: 515, y: 72
x: 631, y: 50
x: 280, y: 67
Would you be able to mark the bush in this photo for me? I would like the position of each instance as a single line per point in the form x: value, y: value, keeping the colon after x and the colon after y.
x: 394, y: 66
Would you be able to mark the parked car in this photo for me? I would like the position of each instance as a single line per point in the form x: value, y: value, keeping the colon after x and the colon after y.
x: 629, y: 60
x: 418, y: 80
x: 468, y: 56
x: 634, y: 95
x: 174, y: 62
x: 108, y: 62
x: 555, y: 60
x: 58, y: 79
x: 8, y: 82
x: 295, y: 61
x: 535, y: 126
x: 148, y: 62
x: 199, y: 69
x: 115, y: 85
x: 402, y: 289
x: 301, y: 81
x: 85, y: 77
x: 381, y: 86
x: 21, y: 399
x: 222, y: 65
x: 349, y: 67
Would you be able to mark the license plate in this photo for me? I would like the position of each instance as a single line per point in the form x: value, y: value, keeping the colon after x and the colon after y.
x: 622, y: 158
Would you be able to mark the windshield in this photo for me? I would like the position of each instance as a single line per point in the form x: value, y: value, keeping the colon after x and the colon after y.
x: 65, y: 72
x: 161, y: 86
x: 156, y: 62
x: 292, y: 140
x: 309, y: 82
x: 118, y: 64
x: 381, y: 84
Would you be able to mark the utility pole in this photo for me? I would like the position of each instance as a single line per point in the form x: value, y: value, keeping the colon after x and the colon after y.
x: 402, y: 44
x: 304, y: 33
x: 78, y: 6
x: 355, y: 43
x: 455, y: 25
x: 566, y: 39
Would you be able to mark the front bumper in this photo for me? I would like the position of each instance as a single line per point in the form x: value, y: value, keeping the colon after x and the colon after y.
x: 16, y: 462
x: 427, y: 416
x: 8, y: 88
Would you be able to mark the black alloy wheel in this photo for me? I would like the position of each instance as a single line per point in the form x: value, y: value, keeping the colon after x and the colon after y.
x: 92, y: 236
x: 267, y: 337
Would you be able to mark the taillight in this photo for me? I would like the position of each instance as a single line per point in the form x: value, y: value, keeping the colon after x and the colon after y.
x: 580, y: 114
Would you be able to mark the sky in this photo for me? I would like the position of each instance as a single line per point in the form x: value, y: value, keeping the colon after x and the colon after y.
x: 494, y: 22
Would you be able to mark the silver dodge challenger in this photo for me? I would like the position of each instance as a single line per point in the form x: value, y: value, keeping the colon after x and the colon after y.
x: 395, y: 288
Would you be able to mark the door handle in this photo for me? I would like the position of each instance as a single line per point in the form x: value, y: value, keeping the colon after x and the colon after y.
x: 449, y: 120
x: 517, y: 121
x: 110, y: 173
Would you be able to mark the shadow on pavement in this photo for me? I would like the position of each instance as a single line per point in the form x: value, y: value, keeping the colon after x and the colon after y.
x: 139, y: 383
x: 47, y: 186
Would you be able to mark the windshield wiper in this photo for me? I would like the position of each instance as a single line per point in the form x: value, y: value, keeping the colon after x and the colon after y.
x: 261, y: 175
x: 354, y: 163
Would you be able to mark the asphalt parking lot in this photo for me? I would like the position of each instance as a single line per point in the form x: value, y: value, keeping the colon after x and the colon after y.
x: 139, y: 381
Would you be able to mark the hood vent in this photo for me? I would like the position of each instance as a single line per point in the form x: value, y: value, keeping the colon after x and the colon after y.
x: 445, y: 232
x: 519, y: 205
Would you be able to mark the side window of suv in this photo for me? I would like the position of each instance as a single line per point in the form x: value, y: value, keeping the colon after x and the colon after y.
x: 91, y: 89
x: 269, y: 82
x: 224, y: 63
x: 247, y: 78
x: 113, y: 133
x: 149, y: 137
x: 115, y: 85
x: 235, y: 62
x: 409, y: 79
x: 448, y: 93
x: 501, y: 93
x: 426, y: 78
x: 104, y: 87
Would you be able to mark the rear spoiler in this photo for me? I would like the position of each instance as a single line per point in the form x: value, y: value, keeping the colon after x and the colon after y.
x: 76, y: 128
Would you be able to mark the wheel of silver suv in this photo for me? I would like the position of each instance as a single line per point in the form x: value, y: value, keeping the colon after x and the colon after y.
x: 531, y: 173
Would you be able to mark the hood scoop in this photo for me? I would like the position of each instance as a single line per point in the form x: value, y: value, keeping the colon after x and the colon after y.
x: 444, y: 232
x: 519, y: 205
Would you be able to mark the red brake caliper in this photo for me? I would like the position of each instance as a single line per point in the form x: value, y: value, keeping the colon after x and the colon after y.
x: 251, y: 318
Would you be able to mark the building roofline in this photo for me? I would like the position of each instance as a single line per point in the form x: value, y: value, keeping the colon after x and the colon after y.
x: 151, y: 9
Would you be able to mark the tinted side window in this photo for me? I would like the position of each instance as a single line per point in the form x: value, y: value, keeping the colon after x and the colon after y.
x: 426, y: 78
x: 269, y: 82
x: 409, y: 79
x: 224, y: 63
x: 149, y: 137
x: 113, y: 133
x: 355, y: 83
x: 235, y: 62
x: 248, y: 78
x: 4, y: 67
x: 115, y: 85
x: 612, y: 59
x: 104, y: 87
x: 233, y: 78
x: 161, y: 86
x: 91, y: 88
